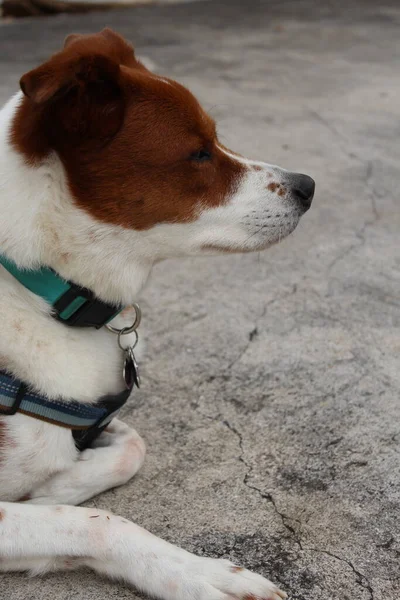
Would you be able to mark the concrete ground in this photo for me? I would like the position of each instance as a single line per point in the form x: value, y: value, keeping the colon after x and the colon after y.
x: 270, y: 397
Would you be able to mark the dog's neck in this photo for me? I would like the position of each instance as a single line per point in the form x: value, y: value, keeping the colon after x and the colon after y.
x: 41, y: 225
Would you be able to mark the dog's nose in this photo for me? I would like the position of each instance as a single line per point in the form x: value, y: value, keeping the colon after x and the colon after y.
x: 303, y: 188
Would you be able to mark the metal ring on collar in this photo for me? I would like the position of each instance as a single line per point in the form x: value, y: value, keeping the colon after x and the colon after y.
x: 131, y: 328
x: 131, y: 346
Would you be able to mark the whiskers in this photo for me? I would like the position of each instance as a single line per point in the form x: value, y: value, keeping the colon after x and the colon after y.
x: 253, y: 234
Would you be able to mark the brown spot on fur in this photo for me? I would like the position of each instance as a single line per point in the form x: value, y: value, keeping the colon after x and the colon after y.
x: 282, y: 191
x: 40, y: 344
x: 2, y: 514
x: 124, y: 136
x: 17, y: 326
x: 257, y: 168
x: 273, y: 186
x: 25, y: 498
x: 65, y: 256
x: 236, y: 569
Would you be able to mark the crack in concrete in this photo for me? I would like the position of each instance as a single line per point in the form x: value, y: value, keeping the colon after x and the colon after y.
x: 253, y: 333
x: 372, y: 193
x: 344, y: 142
x: 265, y: 495
x: 361, y: 579
x: 360, y: 234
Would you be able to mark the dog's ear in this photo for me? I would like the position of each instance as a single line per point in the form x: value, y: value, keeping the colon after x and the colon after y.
x: 68, y: 70
x: 84, y: 59
x: 79, y: 90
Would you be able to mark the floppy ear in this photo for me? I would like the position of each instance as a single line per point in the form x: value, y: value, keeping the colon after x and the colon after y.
x: 65, y: 71
x: 79, y: 90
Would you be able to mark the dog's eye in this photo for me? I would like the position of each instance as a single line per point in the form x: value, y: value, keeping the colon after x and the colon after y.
x: 201, y: 155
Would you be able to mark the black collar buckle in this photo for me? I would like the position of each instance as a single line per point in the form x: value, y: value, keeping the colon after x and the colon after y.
x: 79, y: 307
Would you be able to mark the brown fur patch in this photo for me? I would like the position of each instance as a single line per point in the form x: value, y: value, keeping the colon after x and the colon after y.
x: 124, y: 135
x: 273, y: 186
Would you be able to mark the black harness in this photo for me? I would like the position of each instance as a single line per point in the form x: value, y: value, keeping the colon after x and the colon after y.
x: 76, y: 307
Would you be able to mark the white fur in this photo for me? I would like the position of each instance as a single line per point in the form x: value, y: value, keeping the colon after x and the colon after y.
x: 40, y: 224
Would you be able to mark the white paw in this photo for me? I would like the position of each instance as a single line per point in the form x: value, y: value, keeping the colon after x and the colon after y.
x: 117, y: 433
x: 213, y: 579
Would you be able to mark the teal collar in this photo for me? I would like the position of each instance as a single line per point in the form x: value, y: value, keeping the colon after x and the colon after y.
x: 72, y: 304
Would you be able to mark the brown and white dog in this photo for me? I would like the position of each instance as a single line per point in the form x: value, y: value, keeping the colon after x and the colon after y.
x: 105, y: 169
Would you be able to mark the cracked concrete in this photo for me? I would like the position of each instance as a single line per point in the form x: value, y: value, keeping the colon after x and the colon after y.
x: 270, y: 397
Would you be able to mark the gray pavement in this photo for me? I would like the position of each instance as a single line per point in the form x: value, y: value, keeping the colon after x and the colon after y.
x: 270, y: 400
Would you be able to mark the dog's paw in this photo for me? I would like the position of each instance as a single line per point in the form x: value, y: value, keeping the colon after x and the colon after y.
x: 222, y: 580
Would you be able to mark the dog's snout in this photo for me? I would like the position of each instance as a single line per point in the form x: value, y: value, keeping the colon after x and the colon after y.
x: 303, y: 188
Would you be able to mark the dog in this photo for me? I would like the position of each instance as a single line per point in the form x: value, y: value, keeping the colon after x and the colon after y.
x: 106, y: 169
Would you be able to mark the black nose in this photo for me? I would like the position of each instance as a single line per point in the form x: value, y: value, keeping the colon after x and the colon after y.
x: 303, y: 188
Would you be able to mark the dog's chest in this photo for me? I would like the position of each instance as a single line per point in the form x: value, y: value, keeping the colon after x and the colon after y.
x: 76, y: 364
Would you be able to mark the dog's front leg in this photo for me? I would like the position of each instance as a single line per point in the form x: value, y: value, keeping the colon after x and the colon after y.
x: 114, y: 459
x: 44, y: 538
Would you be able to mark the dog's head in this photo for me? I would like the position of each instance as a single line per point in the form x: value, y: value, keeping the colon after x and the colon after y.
x: 139, y: 152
